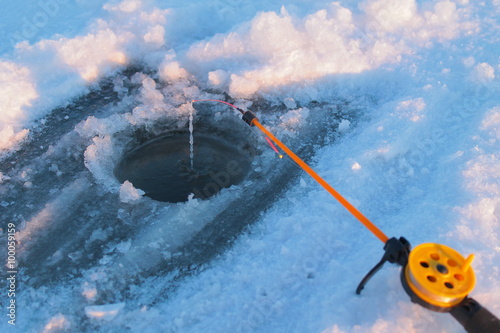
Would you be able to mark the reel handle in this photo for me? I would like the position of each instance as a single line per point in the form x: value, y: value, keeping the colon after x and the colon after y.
x: 396, y: 252
x: 475, y: 318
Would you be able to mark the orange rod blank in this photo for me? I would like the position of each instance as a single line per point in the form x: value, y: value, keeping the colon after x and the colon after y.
x: 353, y: 210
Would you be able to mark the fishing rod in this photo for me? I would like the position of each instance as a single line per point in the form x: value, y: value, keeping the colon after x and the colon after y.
x: 433, y: 275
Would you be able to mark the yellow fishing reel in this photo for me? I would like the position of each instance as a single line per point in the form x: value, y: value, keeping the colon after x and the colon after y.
x: 438, y: 277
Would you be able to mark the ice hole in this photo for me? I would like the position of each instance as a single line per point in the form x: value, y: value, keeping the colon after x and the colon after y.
x: 161, y: 167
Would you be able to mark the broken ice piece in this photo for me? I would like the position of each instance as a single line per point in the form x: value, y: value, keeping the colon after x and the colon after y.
x: 104, y: 312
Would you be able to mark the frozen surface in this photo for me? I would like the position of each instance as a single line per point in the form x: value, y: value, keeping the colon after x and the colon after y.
x: 395, y: 103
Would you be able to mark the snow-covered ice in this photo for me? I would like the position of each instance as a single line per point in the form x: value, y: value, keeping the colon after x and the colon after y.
x: 394, y: 102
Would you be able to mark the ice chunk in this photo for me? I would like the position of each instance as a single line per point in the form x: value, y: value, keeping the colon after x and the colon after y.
x: 107, y: 46
x: 292, y: 120
x: 218, y: 78
x: 123, y: 247
x: 155, y: 35
x: 104, y: 312
x: 242, y: 87
x: 13, y: 79
x: 128, y: 193
x: 58, y: 323
x: 290, y: 103
x: 98, y: 234
x: 89, y: 291
x: 171, y: 70
x: 93, y: 126
x: 10, y: 139
x: 100, y: 160
x: 344, y: 125
x: 484, y: 72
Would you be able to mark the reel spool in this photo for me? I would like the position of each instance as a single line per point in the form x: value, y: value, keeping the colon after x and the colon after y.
x: 438, y: 277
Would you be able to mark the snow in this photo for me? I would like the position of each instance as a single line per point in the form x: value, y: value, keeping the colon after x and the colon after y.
x: 128, y: 193
x: 277, y: 49
x: 51, y: 71
x: 416, y: 150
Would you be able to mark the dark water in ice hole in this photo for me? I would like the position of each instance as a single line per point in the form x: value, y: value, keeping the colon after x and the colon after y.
x: 162, y: 167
